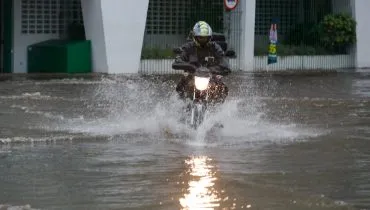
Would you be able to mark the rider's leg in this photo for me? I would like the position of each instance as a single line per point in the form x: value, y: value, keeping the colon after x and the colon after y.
x: 219, y: 91
x: 182, y: 88
x: 185, y: 86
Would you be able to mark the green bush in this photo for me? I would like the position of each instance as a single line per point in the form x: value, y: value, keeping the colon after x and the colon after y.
x: 337, y: 32
x: 157, y: 53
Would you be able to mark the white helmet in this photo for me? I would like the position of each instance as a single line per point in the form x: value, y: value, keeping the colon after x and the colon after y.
x: 202, y: 33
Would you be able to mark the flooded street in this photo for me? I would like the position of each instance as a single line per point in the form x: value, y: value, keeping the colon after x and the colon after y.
x: 288, y: 142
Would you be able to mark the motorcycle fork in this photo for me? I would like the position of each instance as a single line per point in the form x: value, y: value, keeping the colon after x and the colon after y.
x: 194, y: 99
x: 193, y: 108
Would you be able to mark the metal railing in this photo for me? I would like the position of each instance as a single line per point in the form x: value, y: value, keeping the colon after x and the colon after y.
x: 169, y: 23
x: 302, y: 35
x: 301, y: 43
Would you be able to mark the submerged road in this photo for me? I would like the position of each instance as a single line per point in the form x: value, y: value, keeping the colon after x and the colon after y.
x: 288, y: 142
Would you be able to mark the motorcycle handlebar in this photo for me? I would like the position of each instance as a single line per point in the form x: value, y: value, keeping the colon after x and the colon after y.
x: 192, y: 68
x: 184, y: 66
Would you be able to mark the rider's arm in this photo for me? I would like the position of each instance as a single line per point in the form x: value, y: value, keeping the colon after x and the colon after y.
x: 186, y: 49
x: 182, y: 60
x: 217, y: 69
x: 223, y: 65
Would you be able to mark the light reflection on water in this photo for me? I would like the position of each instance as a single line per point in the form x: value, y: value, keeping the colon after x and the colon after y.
x: 201, y: 192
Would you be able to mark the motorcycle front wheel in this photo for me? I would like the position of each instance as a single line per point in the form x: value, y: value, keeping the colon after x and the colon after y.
x: 197, y: 113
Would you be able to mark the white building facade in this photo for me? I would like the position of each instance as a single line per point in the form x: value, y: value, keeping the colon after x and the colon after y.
x: 118, y: 31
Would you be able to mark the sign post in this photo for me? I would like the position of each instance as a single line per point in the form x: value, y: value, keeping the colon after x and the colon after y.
x: 272, y: 56
x: 231, y: 4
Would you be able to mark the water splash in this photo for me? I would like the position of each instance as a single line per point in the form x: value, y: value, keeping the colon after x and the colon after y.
x: 149, y: 107
x: 247, y: 125
x: 131, y: 107
x: 10, y: 207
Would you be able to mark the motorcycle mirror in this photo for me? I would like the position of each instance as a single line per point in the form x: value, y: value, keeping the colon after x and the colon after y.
x: 230, y: 54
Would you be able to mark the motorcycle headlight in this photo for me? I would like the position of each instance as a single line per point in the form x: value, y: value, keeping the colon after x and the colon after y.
x: 201, y: 83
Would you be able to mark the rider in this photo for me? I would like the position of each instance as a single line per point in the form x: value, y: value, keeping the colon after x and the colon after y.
x: 195, y: 53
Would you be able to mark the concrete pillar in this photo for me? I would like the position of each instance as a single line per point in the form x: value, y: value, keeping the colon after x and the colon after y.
x: 94, y: 30
x: 116, y: 29
x: 247, y: 23
x: 362, y: 49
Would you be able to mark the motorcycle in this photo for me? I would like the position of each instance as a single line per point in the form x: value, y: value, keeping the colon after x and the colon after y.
x: 205, y: 89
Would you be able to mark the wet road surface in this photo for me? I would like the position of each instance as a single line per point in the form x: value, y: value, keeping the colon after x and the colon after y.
x: 288, y: 142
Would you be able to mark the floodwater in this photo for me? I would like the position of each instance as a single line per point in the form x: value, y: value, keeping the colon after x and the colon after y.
x: 105, y: 142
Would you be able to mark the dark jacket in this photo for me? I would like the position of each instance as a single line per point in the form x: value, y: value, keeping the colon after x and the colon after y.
x: 194, y: 55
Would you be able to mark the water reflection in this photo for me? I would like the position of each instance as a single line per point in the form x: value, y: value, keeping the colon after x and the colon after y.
x: 201, y: 192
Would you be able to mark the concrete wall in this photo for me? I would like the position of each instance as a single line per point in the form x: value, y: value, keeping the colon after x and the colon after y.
x: 360, y: 11
x: 116, y: 29
x: 362, y: 49
x: 233, y: 29
x: 247, y: 44
x: 22, y: 40
x: 94, y: 29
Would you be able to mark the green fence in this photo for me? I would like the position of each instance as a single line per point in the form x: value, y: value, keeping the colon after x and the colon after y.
x: 169, y: 23
x: 312, y: 34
